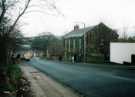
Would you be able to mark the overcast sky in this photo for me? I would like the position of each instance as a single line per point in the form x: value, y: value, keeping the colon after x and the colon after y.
x: 118, y: 14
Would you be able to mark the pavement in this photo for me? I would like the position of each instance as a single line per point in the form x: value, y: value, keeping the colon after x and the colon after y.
x: 90, y: 80
x: 44, y: 86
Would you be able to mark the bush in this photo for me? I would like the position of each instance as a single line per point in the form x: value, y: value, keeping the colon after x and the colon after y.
x: 14, y: 74
x: 9, y: 76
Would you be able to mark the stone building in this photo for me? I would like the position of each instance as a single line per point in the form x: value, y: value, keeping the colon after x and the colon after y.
x: 97, y: 39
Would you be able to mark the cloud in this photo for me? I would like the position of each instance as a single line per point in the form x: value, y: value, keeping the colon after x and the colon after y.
x: 115, y: 13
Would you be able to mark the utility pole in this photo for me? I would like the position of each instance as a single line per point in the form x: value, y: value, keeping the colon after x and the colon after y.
x: 84, y: 42
x: 125, y: 33
x: 84, y: 51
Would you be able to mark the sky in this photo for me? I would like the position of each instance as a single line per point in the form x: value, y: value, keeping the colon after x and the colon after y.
x: 117, y: 14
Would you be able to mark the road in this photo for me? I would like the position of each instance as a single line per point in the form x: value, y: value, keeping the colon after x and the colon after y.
x: 91, y: 80
x: 44, y: 86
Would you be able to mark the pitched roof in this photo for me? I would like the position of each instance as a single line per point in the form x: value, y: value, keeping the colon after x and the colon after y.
x: 78, y: 33
x: 45, y: 34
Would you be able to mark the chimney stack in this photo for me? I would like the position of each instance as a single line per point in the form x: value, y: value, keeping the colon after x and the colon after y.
x: 76, y: 27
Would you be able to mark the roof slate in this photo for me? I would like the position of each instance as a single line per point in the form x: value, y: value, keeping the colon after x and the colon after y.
x: 78, y: 33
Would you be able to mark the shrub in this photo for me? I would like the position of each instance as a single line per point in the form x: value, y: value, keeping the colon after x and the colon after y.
x: 14, y: 74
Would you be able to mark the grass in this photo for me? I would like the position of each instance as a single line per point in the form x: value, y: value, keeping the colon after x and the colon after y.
x: 13, y: 74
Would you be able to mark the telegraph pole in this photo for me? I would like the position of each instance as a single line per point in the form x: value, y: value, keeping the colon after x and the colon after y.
x: 84, y: 42
x: 84, y: 51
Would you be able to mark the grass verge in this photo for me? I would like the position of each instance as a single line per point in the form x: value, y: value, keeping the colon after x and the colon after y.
x: 10, y: 75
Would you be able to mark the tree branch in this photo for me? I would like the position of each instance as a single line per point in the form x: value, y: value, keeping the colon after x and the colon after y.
x: 19, y: 16
x: 3, y: 7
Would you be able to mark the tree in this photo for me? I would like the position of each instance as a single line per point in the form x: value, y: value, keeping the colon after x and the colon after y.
x: 8, y: 25
x: 39, y: 44
x: 10, y: 36
x: 8, y: 32
x: 128, y: 39
x: 55, y: 48
x: 48, y: 44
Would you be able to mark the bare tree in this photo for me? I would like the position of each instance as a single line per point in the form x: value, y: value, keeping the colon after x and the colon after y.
x: 19, y: 16
x: 5, y: 5
x: 8, y: 39
x: 8, y: 28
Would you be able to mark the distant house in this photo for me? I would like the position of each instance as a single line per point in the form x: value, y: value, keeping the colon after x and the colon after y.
x: 40, y: 43
x: 48, y: 45
x: 97, y: 39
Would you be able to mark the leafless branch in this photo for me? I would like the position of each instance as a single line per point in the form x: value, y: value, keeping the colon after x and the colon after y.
x: 19, y: 16
x: 3, y: 8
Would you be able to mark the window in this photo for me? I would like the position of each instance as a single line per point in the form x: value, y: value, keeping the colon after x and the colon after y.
x: 65, y: 44
x: 80, y: 43
x: 69, y: 45
x: 74, y: 44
